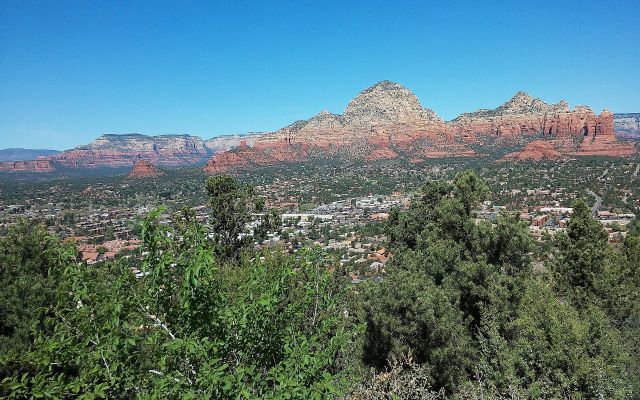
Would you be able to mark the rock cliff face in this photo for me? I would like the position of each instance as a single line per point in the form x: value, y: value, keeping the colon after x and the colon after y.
x: 523, y: 116
x: 27, y: 166
x: 125, y: 150
x: 144, y: 169
x: 387, y: 121
x: 227, y: 142
x: 579, y: 133
x: 387, y: 103
x: 627, y: 126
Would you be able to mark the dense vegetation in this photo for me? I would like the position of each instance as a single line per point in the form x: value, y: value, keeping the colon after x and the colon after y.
x: 460, y: 312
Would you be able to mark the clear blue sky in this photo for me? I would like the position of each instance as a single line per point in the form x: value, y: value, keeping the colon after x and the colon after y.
x: 73, y: 70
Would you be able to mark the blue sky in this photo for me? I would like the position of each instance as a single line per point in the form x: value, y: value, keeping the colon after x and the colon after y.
x: 73, y: 70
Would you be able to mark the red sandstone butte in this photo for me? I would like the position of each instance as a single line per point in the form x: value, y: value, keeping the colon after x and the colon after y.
x: 143, y: 169
x: 600, y: 140
x: 536, y: 151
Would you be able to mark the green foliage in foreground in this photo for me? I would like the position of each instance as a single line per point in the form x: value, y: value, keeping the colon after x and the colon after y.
x: 460, y: 300
x: 29, y: 263
x: 460, y: 313
x: 268, y: 327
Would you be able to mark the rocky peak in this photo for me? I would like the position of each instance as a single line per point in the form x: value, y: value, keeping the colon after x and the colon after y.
x: 325, y: 115
x: 523, y: 103
x: 520, y: 104
x: 582, y: 109
x: 386, y: 102
x: 562, y: 105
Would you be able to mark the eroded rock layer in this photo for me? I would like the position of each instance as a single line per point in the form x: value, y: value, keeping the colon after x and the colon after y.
x: 387, y: 121
x: 27, y: 166
x: 627, y: 125
x: 536, y: 151
x: 384, y: 122
x: 124, y: 150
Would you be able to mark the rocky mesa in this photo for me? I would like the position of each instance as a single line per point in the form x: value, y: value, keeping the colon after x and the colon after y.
x: 115, y: 151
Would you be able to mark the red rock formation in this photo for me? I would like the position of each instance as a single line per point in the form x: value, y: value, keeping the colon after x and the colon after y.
x: 116, y: 159
x: 112, y: 151
x: 578, y: 134
x: 385, y: 121
x: 600, y: 140
x: 225, y: 162
x: 535, y: 151
x: 381, y: 154
x: 143, y: 169
x: 27, y: 166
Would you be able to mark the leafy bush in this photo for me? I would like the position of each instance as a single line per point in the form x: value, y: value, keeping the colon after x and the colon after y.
x: 192, y: 327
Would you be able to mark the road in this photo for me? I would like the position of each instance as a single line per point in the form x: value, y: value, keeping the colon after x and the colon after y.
x: 606, y: 171
x: 597, y: 204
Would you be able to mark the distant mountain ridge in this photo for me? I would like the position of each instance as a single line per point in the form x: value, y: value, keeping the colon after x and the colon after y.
x: 19, y: 154
x: 139, y: 142
x: 627, y: 125
x: 124, y: 150
x: 384, y: 121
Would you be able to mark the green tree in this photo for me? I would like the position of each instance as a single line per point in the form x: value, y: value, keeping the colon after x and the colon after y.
x: 634, y: 227
x: 230, y: 212
x: 266, y: 327
x: 581, y: 260
x: 270, y: 222
x: 30, y: 260
x: 548, y: 349
x: 461, y: 301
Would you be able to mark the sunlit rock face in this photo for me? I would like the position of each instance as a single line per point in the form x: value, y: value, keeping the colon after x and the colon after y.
x: 383, y: 122
x: 27, y: 166
x: 124, y: 150
x: 387, y: 121
x: 627, y: 126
